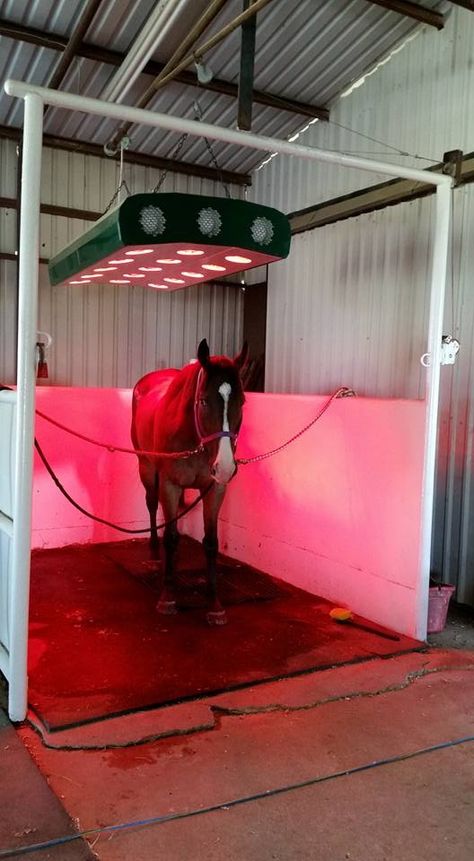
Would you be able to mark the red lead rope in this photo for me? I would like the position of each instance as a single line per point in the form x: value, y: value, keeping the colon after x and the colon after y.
x: 175, y: 455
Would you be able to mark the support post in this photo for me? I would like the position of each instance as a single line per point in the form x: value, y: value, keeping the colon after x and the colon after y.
x: 27, y: 325
x: 435, y: 331
x: 247, y: 62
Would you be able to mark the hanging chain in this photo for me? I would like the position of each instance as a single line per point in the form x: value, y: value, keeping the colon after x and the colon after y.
x: 198, y: 116
x: 173, y: 155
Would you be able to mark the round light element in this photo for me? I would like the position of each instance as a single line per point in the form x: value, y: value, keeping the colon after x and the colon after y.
x: 191, y: 252
x: 121, y: 260
x: 192, y: 274
x: 234, y: 258
x: 262, y: 230
x: 140, y: 251
x: 213, y: 267
x: 159, y: 286
x: 174, y: 280
x: 152, y: 220
x: 168, y: 261
x: 119, y: 281
x: 107, y: 268
x: 132, y: 275
x: 76, y: 282
x: 209, y: 221
x: 150, y: 268
x: 83, y: 281
x: 91, y: 276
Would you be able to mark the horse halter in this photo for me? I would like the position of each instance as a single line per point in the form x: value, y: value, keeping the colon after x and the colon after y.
x: 203, y: 439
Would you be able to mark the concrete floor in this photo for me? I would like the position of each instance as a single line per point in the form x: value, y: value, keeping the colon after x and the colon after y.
x: 332, y: 730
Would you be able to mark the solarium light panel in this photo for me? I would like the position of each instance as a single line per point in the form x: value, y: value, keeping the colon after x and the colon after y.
x: 172, y: 240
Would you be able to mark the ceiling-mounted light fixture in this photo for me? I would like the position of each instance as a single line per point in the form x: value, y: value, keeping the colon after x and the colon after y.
x: 204, y: 73
x: 170, y: 240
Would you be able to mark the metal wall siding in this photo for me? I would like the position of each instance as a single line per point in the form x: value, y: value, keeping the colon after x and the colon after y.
x: 419, y: 102
x: 344, y: 307
x: 350, y: 305
x: 108, y: 337
x: 306, y: 50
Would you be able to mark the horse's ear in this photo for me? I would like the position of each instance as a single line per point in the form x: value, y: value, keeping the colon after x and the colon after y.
x: 203, y: 353
x: 242, y: 356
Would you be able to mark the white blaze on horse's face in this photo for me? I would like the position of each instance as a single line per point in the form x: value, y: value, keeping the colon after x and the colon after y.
x: 224, y: 465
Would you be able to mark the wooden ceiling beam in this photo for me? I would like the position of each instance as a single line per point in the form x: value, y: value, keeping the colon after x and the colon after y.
x: 466, y: 4
x: 183, y: 167
x: 115, y: 58
x: 413, y: 10
x: 69, y: 52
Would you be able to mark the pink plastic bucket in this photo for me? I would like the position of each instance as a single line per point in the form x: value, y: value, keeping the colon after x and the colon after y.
x: 438, y: 602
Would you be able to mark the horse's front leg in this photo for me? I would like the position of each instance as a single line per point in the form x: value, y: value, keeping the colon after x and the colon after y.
x: 211, y: 504
x: 150, y: 480
x: 169, y: 497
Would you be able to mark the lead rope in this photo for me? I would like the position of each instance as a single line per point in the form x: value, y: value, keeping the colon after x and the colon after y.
x: 107, y: 522
x: 343, y: 392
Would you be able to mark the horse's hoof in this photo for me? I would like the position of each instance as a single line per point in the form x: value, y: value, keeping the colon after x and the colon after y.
x: 216, y: 617
x: 166, y: 608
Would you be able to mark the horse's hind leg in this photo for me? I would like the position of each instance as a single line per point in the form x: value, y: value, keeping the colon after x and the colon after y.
x: 169, y: 498
x: 212, y: 502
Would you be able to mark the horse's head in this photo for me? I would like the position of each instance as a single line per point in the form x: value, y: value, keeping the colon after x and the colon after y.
x: 218, y: 408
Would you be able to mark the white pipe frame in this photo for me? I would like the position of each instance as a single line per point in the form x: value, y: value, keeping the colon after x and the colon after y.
x: 28, y: 300
x: 26, y: 392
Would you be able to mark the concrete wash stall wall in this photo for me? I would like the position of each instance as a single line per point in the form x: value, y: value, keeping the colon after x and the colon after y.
x: 336, y: 513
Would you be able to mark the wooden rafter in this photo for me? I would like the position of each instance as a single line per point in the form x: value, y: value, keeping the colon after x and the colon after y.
x: 413, y: 10
x: 115, y: 58
x: 466, y: 4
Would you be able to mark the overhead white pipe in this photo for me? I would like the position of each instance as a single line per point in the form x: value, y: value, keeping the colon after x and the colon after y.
x: 192, y: 127
x: 155, y: 30
x: 26, y: 373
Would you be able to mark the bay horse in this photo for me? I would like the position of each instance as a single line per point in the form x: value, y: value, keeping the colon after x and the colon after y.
x: 197, y: 409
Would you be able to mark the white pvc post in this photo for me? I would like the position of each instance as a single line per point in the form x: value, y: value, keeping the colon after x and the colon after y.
x: 435, y: 332
x: 26, y: 373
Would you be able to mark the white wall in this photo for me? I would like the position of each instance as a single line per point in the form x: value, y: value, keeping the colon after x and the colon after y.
x: 350, y: 305
x: 337, y: 513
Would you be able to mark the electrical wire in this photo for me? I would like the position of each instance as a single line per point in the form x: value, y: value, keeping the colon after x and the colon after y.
x: 382, y: 143
x: 234, y: 802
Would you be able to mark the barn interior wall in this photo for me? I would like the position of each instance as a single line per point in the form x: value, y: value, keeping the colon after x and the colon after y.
x: 107, y: 336
x: 350, y: 305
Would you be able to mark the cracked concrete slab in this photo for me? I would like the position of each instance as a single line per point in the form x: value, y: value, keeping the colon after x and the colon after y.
x: 307, y: 691
x: 374, y: 711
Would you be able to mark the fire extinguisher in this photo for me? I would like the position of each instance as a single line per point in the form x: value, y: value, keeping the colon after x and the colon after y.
x: 42, y: 345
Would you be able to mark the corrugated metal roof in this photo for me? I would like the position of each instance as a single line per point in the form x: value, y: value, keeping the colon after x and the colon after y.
x: 309, y: 51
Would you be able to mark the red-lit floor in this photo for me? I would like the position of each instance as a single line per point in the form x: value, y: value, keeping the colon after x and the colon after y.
x: 98, y: 647
x: 362, y: 760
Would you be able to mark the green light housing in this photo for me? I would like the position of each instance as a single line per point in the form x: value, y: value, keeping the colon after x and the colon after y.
x: 168, y: 241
